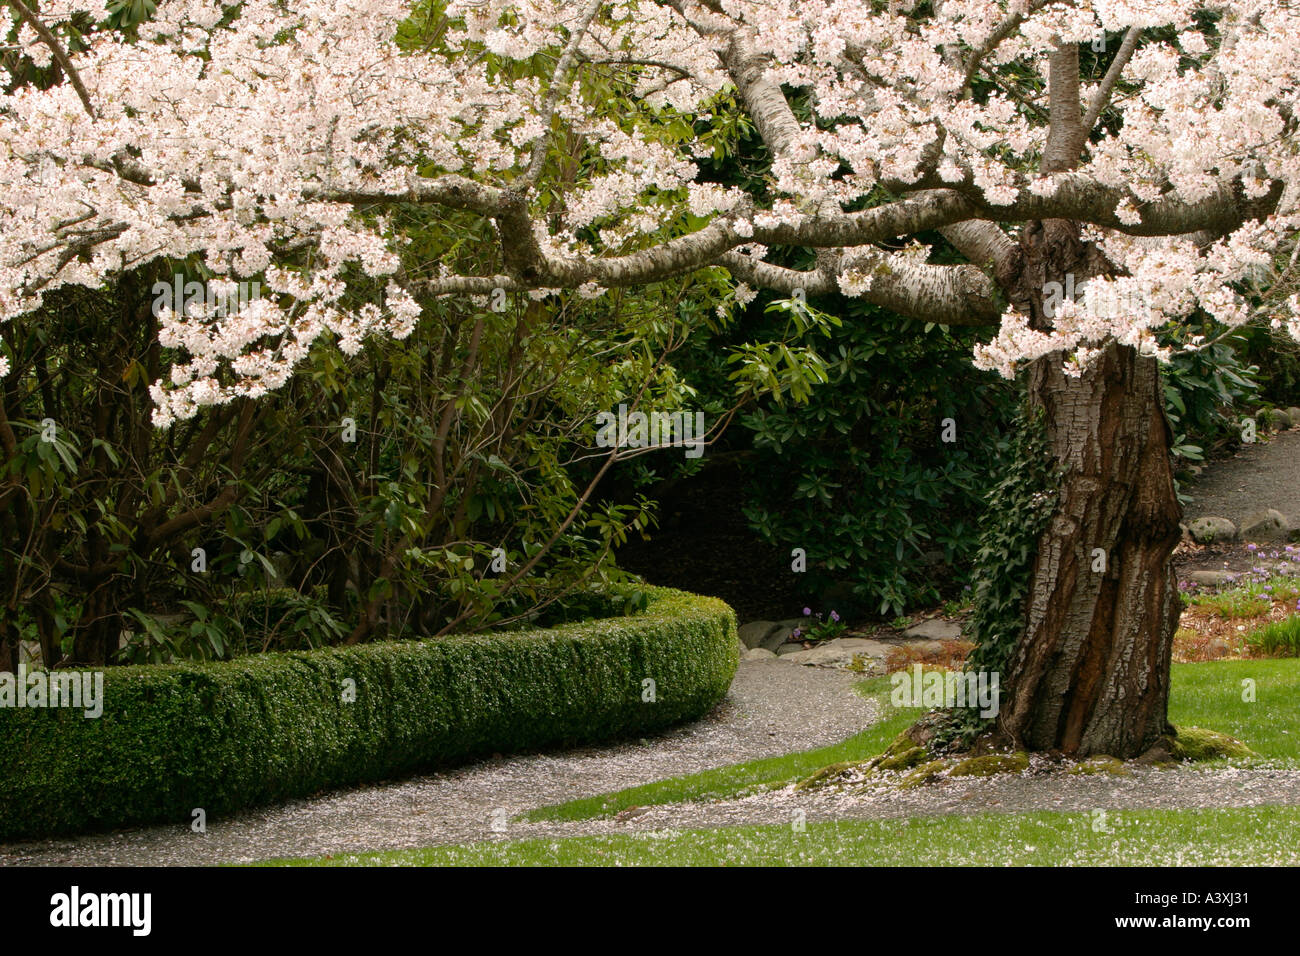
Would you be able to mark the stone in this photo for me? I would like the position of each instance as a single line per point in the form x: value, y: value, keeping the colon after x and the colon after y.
x: 789, y: 650
x: 826, y: 656
x: 1266, y: 525
x: 1294, y: 414
x: 757, y: 654
x: 866, y: 666
x: 1211, y: 528
x: 1211, y: 578
x: 752, y: 634
x: 1217, y: 647
x: 775, y: 638
x: 934, y: 630
x: 838, y: 653
x: 1293, y: 529
x: 1274, y: 417
x: 863, y: 645
x: 927, y: 649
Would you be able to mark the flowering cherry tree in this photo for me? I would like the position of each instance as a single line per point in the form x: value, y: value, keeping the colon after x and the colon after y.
x: 1139, y: 152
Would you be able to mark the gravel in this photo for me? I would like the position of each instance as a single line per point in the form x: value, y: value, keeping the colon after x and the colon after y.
x: 1261, y: 475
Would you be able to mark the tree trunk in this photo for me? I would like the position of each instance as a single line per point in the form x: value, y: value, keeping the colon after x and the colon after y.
x: 1090, y: 674
x: 99, y: 631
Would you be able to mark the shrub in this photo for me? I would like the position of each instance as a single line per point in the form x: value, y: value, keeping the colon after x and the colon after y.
x: 1277, y: 638
x: 1205, y: 393
x: 227, y: 735
x: 857, y: 471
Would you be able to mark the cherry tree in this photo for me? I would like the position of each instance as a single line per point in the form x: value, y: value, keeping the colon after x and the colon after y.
x: 1111, y: 173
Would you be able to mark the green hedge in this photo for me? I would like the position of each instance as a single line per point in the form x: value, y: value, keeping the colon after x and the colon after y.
x: 228, y: 735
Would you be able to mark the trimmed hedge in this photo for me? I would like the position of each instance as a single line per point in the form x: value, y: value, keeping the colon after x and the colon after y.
x: 228, y: 735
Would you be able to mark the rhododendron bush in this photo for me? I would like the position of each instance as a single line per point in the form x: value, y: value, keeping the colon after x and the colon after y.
x: 1141, y: 153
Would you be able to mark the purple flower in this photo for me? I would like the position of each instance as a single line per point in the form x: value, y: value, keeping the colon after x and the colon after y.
x: 796, y: 633
x: 835, y: 617
x: 1252, y: 547
x: 807, y: 611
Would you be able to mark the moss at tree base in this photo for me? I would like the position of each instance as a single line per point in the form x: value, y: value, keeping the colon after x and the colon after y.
x: 1099, y: 764
x: 990, y: 764
x: 1196, y: 743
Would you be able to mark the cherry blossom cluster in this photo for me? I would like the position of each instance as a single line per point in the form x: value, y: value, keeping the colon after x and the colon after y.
x: 266, y: 140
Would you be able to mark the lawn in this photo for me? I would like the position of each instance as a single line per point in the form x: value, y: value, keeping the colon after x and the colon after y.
x: 1259, y: 836
x: 1210, y: 695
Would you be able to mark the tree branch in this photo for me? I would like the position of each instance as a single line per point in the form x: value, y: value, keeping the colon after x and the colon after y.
x: 60, y: 54
x: 1101, y: 98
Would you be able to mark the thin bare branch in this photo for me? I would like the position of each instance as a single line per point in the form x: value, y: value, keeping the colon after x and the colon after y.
x: 60, y: 55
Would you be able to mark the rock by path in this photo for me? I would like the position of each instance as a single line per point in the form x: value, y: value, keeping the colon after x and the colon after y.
x: 771, y: 709
x: 1258, y: 488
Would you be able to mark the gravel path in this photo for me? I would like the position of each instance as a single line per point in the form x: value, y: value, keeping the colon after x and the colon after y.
x: 1261, y: 475
x: 772, y: 708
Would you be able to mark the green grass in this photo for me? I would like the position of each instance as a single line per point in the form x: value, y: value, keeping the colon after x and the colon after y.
x: 1209, y: 695
x: 1256, y: 836
x: 1205, y: 695
x: 753, y: 775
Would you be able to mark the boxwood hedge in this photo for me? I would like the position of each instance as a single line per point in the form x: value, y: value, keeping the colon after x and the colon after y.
x: 228, y: 735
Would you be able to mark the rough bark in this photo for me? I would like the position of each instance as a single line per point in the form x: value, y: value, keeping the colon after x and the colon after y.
x: 1090, y: 674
